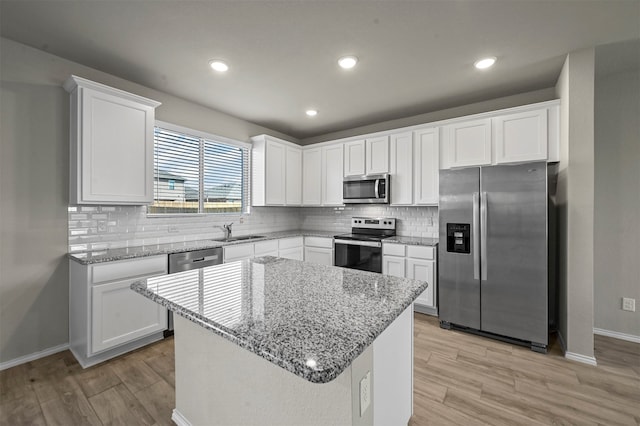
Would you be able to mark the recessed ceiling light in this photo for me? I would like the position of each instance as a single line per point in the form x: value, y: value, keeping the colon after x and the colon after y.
x: 218, y: 65
x: 312, y: 112
x: 485, y: 63
x: 348, y: 62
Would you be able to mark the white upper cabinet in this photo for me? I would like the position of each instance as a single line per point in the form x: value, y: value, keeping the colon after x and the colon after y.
x: 401, y: 169
x: 516, y: 135
x: 276, y: 172
x: 366, y: 157
x: 332, y: 162
x: 467, y: 143
x: 427, y: 166
x: 354, y: 158
x: 111, y: 145
x: 293, y: 177
x: 521, y: 137
x: 312, y: 177
x: 377, y: 155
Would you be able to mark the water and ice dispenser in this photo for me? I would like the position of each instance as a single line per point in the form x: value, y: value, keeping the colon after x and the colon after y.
x: 459, y: 238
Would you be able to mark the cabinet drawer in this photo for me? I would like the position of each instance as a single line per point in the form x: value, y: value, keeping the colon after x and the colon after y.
x: 286, y: 243
x: 155, y: 265
x: 264, y: 248
x: 391, y: 249
x: 421, y: 252
x: 240, y: 251
x: 318, y: 242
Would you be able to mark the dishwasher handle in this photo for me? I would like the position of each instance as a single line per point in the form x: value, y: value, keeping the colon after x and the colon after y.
x: 185, y: 261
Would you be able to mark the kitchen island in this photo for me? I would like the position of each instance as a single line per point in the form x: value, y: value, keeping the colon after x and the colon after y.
x: 278, y: 341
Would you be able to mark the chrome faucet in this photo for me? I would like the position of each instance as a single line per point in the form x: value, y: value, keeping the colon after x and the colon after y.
x: 227, y: 230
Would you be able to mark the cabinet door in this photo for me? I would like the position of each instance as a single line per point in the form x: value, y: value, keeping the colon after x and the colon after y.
x: 293, y: 177
x: 312, y: 177
x: 521, y: 137
x: 377, y: 155
x: 332, y: 175
x: 401, y: 169
x: 114, y: 131
x: 295, y: 253
x: 427, y: 166
x: 275, y: 173
x: 467, y: 143
x: 394, y: 266
x: 119, y: 315
x: 423, y: 270
x: 354, y: 158
x: 323, y: 256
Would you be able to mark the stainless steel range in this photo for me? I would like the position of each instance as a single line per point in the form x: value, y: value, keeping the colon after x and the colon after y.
x: 362, y: 248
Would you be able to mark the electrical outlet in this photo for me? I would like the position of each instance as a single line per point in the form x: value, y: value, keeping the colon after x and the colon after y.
x: 102, y: 226
x: 173, y: 229
x: 628, y: 304
x: 241, y: 220
x: 365, y: 393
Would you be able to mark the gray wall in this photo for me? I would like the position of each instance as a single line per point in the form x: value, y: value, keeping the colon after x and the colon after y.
x: 34, y: 169
x: 617, y: 196
x: 575, y: 197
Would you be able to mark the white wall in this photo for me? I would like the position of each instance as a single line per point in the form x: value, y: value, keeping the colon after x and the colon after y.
x: 575, y: 199
x: 617, y: 199
x: 34, y: 167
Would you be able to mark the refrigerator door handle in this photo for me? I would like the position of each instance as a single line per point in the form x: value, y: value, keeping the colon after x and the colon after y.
x: 483, y: 235
x: 476, y: 236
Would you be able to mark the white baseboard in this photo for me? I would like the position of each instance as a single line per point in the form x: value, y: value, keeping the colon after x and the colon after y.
x: 33, y: 356
x: 179, y: 419
x: 581, y: 358
x: 616, y: 335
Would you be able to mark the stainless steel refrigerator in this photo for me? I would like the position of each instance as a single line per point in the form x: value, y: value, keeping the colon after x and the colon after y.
x: 496, y: 267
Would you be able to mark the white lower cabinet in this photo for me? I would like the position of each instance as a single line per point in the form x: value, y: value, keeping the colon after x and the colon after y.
x: 266, y: 248
x: 106, y: 317
x: 291, y: 248
x: 318, y: 250
x: 415, y: 262
x: 423, y: 270
x: 238, y: 252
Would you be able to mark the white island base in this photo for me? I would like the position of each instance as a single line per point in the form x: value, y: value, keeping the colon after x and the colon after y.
x: 220, y: 383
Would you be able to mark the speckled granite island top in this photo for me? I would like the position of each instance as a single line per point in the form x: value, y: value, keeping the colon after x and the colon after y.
x: 312, y: 320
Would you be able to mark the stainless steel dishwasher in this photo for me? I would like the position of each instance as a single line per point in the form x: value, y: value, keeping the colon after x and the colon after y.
x: 188, y: 260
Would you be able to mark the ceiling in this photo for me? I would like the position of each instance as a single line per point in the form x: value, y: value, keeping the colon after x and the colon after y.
x: 415, y: 56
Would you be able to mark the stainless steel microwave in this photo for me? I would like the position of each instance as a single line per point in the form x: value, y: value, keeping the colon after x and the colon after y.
x: 366, y: 189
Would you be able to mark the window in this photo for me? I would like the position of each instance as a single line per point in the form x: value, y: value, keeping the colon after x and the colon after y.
x: 195, y: 172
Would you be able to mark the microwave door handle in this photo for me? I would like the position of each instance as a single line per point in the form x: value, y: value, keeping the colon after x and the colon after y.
x: 376, y: 188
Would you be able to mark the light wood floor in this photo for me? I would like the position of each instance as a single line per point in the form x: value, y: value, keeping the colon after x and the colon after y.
x: 460, y: 379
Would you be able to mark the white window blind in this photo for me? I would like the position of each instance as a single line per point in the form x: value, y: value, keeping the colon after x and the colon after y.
x: 198, y: 174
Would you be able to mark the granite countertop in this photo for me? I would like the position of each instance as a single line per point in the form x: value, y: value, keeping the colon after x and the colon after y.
x: 412, y: 241
x: 110, y: 255
x: 312, y: 320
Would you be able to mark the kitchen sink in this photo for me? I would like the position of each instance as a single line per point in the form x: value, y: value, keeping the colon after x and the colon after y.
x: 243, y: 238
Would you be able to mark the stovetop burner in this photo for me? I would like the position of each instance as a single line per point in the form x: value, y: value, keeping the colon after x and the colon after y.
x: 370, y: 229
x: 361, y: 237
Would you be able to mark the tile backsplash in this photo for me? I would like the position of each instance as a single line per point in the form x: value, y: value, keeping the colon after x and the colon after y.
x: 411, y: 221
x: 102, y: 227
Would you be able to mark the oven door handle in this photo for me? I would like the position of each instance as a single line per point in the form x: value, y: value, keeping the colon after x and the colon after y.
x: 358, y: 243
